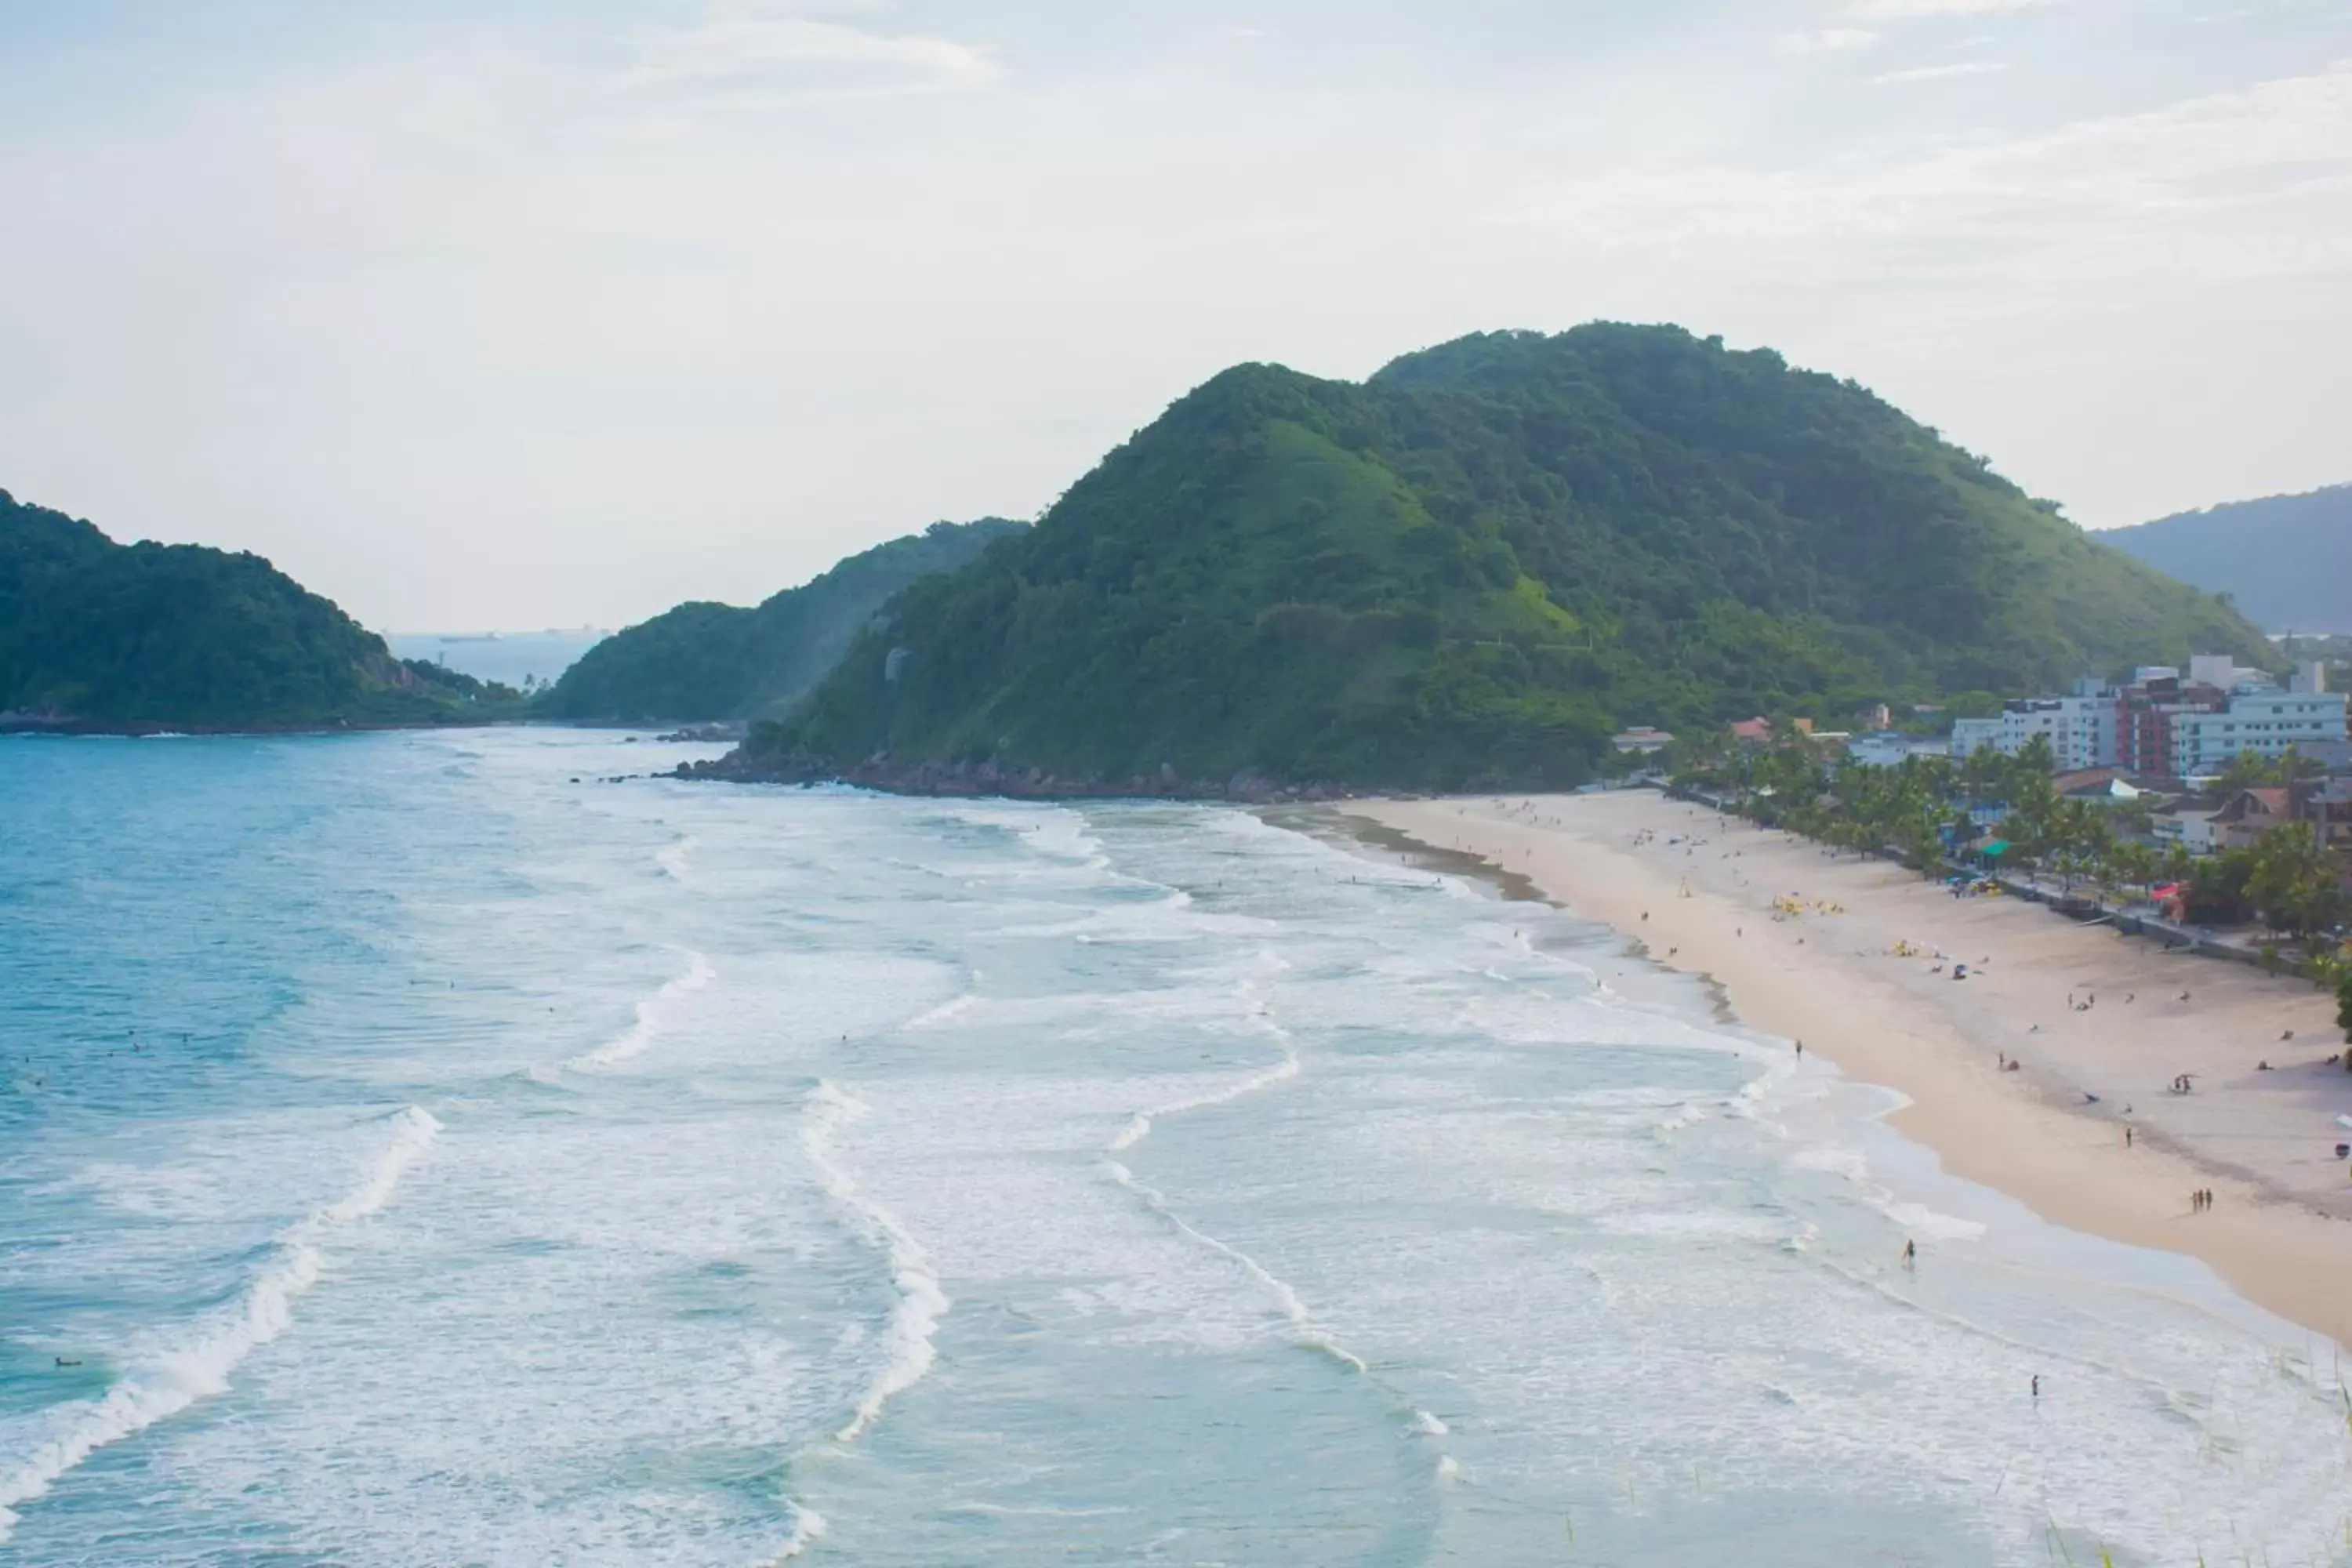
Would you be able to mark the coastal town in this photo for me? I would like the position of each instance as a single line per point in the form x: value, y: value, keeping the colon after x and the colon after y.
x: 2153, y: 784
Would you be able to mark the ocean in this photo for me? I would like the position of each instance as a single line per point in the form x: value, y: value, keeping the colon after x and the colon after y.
x: 419, y: 1149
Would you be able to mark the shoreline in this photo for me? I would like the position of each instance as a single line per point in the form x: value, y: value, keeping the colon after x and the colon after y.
x: 1700, y: 898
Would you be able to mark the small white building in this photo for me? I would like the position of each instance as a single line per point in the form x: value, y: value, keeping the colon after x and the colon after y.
x: 1970, y: 736
x: 2190, y: 826
x: 1889, y: 748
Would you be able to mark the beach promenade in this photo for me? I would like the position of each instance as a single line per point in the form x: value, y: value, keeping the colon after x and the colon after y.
x: 1855, y: 958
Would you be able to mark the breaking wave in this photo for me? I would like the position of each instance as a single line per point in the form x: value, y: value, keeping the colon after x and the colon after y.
x: 172, y: 1381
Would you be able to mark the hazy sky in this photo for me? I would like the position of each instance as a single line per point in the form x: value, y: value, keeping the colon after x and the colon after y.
x: 520, y: 313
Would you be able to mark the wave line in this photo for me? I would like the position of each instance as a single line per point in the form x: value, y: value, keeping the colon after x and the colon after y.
x: 171, y: 1382
x: 1304, y: 1330
x: 915, y: 1321
x: 631, y: 1042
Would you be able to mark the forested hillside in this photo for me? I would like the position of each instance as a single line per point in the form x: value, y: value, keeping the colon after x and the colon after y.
x: 704, y: 661
x: 2286, y: 561
x: 104, y: 636
x: 1470, y: 568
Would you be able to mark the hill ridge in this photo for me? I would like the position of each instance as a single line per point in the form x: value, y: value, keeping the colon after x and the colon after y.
x: 97, y: 635
x: 1468, y: 568
x: 2286, y: 560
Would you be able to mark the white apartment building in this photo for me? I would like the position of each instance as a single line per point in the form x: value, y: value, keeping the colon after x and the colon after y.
x: 2080, y: 729
x: 1970, y: 736
x: 2263, y: 722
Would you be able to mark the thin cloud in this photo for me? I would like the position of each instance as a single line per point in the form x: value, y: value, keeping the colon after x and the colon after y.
x: 2230, y: 189
x: 750, y: 58
x: 1921, y: 10
x: 1938, y: 73
x: 1827, y: 41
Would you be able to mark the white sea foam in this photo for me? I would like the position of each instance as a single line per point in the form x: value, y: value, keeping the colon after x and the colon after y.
x: 808, y: 1529
x: 172, y: 1380
x: 673, y: 858
x: 1925, y: 1221
x: 1845, y: 1161
x: 1834, y: 1158
x: 1758, y: 1091
x: 922, y: 1302
x: 1138, y: 1126
x: 650, y: 1019
x: 953, y: 1007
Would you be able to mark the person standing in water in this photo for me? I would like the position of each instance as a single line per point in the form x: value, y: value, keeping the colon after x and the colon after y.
x: 1910, y: 1254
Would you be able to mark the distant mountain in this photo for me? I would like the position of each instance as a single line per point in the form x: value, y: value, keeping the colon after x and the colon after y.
x: 1468, y: 569
x: 2286, y: 561
x: 97, y: 635
x: 706, y: 662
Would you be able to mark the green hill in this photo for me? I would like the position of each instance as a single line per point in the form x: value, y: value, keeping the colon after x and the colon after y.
x: 706, y: 662
x: 1469, y: 569
x: 2286, y: 561
x: 101, y: 635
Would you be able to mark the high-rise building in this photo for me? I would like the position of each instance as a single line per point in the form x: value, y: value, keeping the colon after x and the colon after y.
x: 2266, y: 723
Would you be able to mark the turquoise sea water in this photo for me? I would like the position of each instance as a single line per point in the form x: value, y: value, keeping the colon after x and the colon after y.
x: 409, y: 1155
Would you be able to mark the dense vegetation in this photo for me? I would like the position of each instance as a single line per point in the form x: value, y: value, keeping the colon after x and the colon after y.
x: 99, y: 635
x: 704, y: 661
x: 2286, y: 561
x: 1928, y: 809
x: 1469, y: 569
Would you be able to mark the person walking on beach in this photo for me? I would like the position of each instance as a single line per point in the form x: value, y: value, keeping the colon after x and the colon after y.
x: 2127, y: 1136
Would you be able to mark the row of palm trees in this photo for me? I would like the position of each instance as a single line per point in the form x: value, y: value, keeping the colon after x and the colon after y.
x: 1930, y: 810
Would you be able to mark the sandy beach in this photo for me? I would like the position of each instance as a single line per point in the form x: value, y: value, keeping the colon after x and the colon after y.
x: 1854, y: 958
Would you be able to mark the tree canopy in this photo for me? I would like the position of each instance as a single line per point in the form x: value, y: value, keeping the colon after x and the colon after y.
x: 704, y: 661
x: 101, y: 635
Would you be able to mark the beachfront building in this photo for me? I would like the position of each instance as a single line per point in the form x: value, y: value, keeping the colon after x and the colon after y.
x: 2159, y: 722
x: 2328, y: 808
x: 1970, y: 736
x: 1891, y: 748
x: 2078, y: 728
x: 2250, y: 813
x: 2148, y: 714
x: 1641, y: 738
x: 2187, y: 823
x: 2266, y: 723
